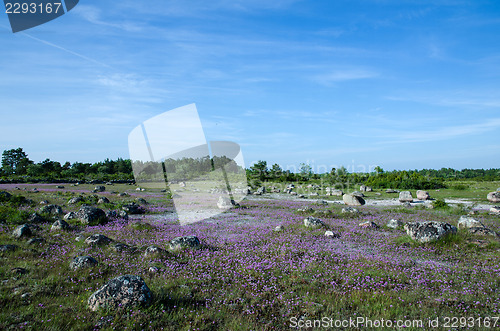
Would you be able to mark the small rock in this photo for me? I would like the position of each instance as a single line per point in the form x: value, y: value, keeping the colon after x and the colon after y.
x: 103, y: 200
x: 35, y: 218
x: 35, y: 241
x: 349, y: 210
x: 59, y: 186
x: 482, y: 231
x: 313, y: 222
x: 369, y: 225
x: 305, y: 210
x: 75, y: 200
x: 469, y: 222
x: 141, y: 201
x: 119, y: 247
x: 122, y: 194
x: 121, y: 292
x: 494, y: 197
x: 153, y: 250
x: 405, y: 196
x: 423, y: 195
x: 279, y: 228
x: 293, y: 193
x: 44, y: 202
x: 81, y: 262
x: 153, y: 270
x: 52, y: 209
x: 495, y: 210
x: 184, y: 242
x: 22, y: 231
x: 100, y: 188
x: 69, y: 216
x: 394, y: 224
x: 133, y: 209
x: 98, y: 239
x: 391, y: 191
x: 332, y: 234
x: 117, y: 214
x: 60, y: 225
x: 90, y: 215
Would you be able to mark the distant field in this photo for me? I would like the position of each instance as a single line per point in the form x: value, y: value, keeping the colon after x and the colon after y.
x: 246, y: 276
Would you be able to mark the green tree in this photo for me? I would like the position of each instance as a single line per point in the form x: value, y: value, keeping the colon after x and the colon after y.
x: 15, y: 161
x: 305, y: 171
x: 276, y: 172
x: 259, y: 170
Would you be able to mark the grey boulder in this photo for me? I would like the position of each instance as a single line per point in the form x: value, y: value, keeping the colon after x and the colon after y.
x: 428, y: 231
x: 81, y: 262
x: 121, y: 292
x: 184, y: 242
x: 353, y: 200
x: 313, y: 222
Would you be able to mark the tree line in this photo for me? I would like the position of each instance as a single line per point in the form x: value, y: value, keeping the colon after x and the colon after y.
x: 16, y: 166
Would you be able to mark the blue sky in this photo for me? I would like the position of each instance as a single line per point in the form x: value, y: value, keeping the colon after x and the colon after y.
x: 400, y: 84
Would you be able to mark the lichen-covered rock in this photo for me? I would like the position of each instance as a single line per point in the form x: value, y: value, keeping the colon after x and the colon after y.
x: 313, y: 222
x: 141, y: 201
x: 349, y: 210
x: 133, y: 209
x: 494, y: 197
x: 90, y: 215
x: 81, y: 262
x: 103, y: 200
x: 482, y: 231
x: 117, y: 214
x: 394, y: 224
x: 468, y: 222
x: 495, y: 210
x: 424, y: 232
x: 51, y: 209
x: 353, y: 200
x: 35, y: 218
x: 405, y: 196
x: 423, y: 195
x: 184, y: 242
x: 69, y: 216
x: 75, y: 200
x: 60, y: 225
x: 121, y: 292
x: 153, y: 250
x: 22, y: 231
x: 99, y: 188
x: 98, y: 240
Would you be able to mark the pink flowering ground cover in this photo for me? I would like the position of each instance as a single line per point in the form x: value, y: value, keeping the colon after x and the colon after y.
x: 246, y: 276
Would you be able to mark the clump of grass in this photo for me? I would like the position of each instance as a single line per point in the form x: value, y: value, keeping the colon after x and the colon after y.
x: 440, y: 204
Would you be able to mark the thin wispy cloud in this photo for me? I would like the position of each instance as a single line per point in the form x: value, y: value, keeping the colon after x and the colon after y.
x: 340, y: 75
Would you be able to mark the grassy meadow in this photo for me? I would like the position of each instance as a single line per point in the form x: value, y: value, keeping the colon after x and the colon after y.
x: 247, y: 276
